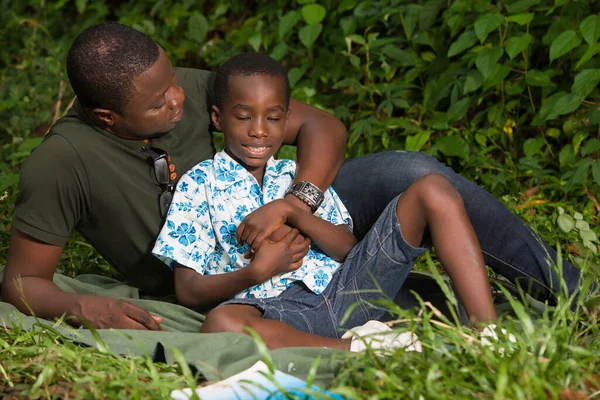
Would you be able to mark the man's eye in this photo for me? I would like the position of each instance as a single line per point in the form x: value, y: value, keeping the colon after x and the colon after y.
x: 242, y: 118
x: 273, y: 119
x: 158, y: 107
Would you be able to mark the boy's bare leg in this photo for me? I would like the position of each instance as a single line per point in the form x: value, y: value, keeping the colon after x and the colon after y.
x: 434, y: 203
x: 275, y: 334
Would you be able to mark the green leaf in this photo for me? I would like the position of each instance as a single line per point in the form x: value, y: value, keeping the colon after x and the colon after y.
x: 581, y: 168
x: 295, y: 74
x: 538, y: 78
x: 578, y: 138
x: 403, y: 57
x: 486, y: 24
x: 566, y: 104
x: 255, y: 41
x: 309, y: 34
x: 566, y: 222
x: 591, y: 146
x: 521, y: 19
x: 453, y: 146
x: 459, y: 109
x: 279, y: 51
x: 416, y: 142
x: 81, y: 6
x: 346, y: 5
x: 585, y: 82
x: 517, y: 44
x: 473, y: 81
x: 588, y: 235
x: 522, y: 5
x: 287, y: 22
x: 566, y: 155
x: 590, y: 29
x: 532, y: 146
x: 313, y: 13
x: 197, y: 28
x: 497, y: 75
x: 596, y: 171
x: 589, y: 53
x: 464, y: 42
x: 564, y: 43
x: 582, y: 225
x: 487, y: 60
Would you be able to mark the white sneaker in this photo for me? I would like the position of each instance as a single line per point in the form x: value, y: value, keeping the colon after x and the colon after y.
x: 377, y: 335
x: 489, y: 338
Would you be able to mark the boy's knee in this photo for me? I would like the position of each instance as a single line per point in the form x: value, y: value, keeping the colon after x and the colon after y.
x: 229, y: 318
x: 437, y: 193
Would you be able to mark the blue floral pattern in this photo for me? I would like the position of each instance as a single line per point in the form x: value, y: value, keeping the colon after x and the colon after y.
x: 210, y: 202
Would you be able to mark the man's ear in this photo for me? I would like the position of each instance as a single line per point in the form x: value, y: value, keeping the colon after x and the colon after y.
x: 103, y: 116
x: 215, y: 115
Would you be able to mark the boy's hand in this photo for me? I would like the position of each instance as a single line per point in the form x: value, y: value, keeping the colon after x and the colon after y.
x: 279, y: 234
x: 262, y: 222
x: 274, y: 258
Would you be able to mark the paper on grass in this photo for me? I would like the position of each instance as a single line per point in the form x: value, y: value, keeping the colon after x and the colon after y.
x: 257, y: 383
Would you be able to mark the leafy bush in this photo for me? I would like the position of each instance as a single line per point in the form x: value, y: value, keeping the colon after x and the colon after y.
x: 503, y: 91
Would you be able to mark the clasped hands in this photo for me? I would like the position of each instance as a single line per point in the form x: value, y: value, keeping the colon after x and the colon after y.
x: 275, y: 247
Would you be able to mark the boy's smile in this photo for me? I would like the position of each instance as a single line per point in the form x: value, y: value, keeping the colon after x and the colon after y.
x: 253, y: 120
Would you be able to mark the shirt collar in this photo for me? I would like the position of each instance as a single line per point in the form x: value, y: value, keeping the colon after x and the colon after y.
x: 229, y: 172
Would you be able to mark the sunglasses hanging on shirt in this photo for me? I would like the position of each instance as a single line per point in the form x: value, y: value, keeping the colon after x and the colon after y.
x: 162, y: 172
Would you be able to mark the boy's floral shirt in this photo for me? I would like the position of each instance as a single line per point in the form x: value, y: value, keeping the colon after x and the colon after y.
x: 213, y: 198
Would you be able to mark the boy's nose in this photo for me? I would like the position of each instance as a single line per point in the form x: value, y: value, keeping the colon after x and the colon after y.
x: 258, y: 129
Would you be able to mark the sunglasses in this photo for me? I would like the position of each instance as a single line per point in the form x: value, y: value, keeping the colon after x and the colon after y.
x: 160, y: 162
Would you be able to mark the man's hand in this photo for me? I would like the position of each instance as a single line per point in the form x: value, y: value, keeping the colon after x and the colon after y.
x: 106, y: 312
x: 261, y: 223
x: 274, y: 258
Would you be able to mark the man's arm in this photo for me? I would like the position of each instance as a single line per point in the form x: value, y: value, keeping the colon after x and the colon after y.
x: 28, y: 285
x: 320, y: 139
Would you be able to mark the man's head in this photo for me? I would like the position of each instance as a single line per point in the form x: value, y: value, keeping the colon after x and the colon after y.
x: 125, y: 81
x: 252, y: 95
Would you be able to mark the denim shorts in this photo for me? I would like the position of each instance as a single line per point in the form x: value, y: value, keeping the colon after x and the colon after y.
x: 375, y: 269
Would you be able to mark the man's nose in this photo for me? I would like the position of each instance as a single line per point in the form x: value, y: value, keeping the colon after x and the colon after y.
x: 176, y: 97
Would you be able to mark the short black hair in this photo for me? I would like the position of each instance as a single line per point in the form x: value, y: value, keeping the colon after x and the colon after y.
x: 248, y: 64
x: 103, y: 62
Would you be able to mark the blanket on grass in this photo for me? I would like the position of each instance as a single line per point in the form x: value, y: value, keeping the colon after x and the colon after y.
x: 216, y: 355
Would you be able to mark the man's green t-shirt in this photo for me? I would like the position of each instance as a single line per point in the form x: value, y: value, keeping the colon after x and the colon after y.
x: 83, y: 177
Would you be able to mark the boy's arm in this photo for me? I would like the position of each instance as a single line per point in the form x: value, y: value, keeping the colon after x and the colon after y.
x: 320, y: 139
x: 335, y: 240
x: 196, y: 290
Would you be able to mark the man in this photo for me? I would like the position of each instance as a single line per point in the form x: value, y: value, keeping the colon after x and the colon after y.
x: 101, y: 170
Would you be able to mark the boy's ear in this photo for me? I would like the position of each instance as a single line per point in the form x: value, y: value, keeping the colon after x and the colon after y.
x: 215, y: 115
x: 103, y: 116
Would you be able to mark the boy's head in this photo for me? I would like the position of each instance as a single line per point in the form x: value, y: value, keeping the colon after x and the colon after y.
x: 125, y: 81
x: 252, y: 96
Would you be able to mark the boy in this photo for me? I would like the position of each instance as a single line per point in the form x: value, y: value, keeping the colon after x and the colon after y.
x: 223, y: 208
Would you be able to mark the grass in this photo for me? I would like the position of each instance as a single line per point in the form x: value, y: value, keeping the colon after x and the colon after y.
x: 555, y: 356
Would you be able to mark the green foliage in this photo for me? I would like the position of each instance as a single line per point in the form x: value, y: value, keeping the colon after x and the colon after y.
x: 505, y: 92
x: 429, y: 75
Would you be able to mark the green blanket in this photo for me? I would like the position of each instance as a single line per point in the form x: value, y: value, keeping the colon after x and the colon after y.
x: 215, y: 355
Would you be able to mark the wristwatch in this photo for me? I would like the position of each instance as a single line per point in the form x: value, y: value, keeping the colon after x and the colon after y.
x: 308, y: 193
